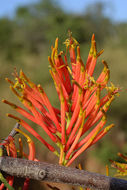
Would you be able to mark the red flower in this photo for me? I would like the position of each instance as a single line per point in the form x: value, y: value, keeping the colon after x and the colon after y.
x: 79, y: 123
x: 11, y: 150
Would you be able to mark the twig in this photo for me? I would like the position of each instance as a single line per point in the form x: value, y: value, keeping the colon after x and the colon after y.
x: 12, y: 134
x: 60, y: 174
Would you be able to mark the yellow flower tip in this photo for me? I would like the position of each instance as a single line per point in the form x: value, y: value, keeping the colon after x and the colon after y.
x: 100, y: 52
x: 55, y: 51
x: 94, y: 135
x: 69, y: 70
x: 39, y: 86
x: 50, y: 62
x: 94, y: 49
x: 107, y: 170
x: 7, y: 114
x: 109, y: 127
x: 78, y: 52
x: 29, y: 140
x: 56, y: 43
x: 54, y: 54
x: 79, y: 166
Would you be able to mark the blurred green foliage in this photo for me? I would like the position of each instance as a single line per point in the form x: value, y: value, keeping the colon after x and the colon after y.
x: 38, y: 24
x: 25, y: 42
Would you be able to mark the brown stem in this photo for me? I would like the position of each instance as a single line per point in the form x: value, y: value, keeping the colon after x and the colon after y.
x: 12, y: 134
x: 55, y: 173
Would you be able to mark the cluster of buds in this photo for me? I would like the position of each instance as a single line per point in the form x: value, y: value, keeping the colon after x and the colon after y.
x: 80, y: 121
x: 121, y: 167
x: 9, y: 146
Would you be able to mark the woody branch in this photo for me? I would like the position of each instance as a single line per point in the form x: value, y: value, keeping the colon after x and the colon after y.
x: 60, y: 174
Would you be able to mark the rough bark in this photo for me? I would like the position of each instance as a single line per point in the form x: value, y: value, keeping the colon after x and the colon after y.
x: 60, y: 174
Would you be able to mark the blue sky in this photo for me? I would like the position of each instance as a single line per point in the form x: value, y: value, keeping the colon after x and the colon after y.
x: 117, y: 9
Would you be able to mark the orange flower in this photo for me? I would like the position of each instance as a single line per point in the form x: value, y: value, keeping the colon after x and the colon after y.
x: 80, y: 121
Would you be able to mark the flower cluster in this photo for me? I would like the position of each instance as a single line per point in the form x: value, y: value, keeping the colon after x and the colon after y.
x: 121, y: 167
x: 10, y: 146
x: 80, y: 121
